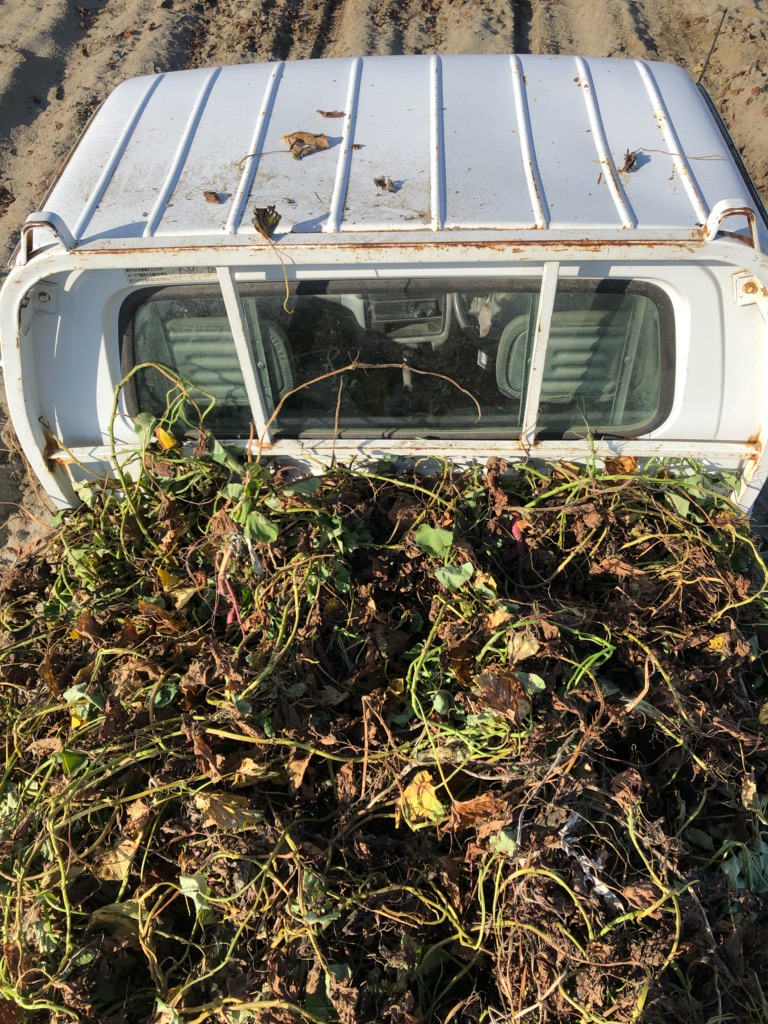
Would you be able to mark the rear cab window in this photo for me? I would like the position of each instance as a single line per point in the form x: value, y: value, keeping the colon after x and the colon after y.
x: 431, y: 360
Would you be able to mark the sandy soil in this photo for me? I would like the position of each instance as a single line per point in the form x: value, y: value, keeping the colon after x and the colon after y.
x: 60, y: 58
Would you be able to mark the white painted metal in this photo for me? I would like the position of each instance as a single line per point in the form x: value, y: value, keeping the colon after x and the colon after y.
x: 539, y: 353
x: 494, y: 144
x: 245, y: 353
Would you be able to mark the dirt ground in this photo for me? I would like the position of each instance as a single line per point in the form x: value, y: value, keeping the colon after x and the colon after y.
x: 60, y: 58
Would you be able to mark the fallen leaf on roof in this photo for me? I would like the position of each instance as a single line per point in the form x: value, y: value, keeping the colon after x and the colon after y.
x: 265, y: 220
x: 385, y: 183
x: 330, y: 113
x: 303, y: 144
x: 357, y: 145
x: 630, y: 159
x: 215, y: 197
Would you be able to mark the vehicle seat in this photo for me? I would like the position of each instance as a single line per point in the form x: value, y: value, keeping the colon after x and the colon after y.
x: 583, y: 356
x: 203, y: 351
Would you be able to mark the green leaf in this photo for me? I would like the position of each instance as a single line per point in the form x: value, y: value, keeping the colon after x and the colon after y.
x: 680, y: 504
x: 503, y: 843
x: 144, y: 425
x: 260, y: 529
x: 224, y: 456
x: 166, y: 695
x: 233, y: 491
x: 531, y: 682
x: 433, y: 540
x: 72, y: 761
x: 165, y: 1014
x: 78, y: 694
x: 455, y: 576
x: 442, y: 702
x: 304, y: 487
x: 195, y: 888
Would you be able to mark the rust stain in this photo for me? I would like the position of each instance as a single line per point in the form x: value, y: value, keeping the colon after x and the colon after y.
x: 515, y: 245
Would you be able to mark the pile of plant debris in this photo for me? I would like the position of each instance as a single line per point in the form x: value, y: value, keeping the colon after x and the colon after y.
x: 374, y: 746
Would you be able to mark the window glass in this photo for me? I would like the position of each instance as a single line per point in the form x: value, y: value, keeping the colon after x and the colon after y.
x: 191, y: 335
x: 435, y: 360
x: 603, y: 368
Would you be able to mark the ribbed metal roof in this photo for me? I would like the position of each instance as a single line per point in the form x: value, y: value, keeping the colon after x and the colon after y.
x: 500, y: 145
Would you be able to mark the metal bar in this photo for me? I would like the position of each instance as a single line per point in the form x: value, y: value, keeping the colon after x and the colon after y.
x: 530, y: 166
x: 182, y: 152
x: 437, y: 152
x: 116, y: 156
x: 336, y: 215
x: 712, y: 452
x: 539, y: 353
x: 244, y: 351
x: 619, y: 196
x: 254, y: 153
x: 673, y: 142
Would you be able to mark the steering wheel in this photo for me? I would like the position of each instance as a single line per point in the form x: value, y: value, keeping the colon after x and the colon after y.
x: 469, y: 324
x: 469, y: 327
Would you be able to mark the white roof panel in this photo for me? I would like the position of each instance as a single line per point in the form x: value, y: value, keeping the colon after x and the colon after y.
x: 494, y: 146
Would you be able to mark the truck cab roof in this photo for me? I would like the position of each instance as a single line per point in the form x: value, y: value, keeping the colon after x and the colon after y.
x: 494, y: 147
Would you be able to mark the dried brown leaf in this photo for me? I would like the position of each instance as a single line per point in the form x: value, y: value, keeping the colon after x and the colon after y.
x: 344, y: 997
x: 627, y: 788
x: 385, y: 183
x: 621, y: 465
x: 45, y: 745
x: 212, y: 197
x: 466, y: 813
x: 346, y: 788
x: 331, y: 113
x: 499, y: 689
x: 521, y: 645
x: 229, y: 811
x: 302, y: 144
x: 613, y: 566
x: 10, y: 1013
x: 207, y: 761
x: 114, y: 865
x: 265, y: 220
x: 296, y: 767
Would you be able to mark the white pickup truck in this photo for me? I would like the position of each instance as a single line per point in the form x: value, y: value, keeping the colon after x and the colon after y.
x: 532, y: 257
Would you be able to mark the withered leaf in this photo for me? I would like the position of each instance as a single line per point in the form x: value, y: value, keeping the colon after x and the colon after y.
x: 615, y: 566
x: 344, y: 997
x: 87, y: 627
x: 296, y: 767
x: 385, y: 183
x: 207, y: 761
x: 115, y: 864
x: 465, y: 813
x: 215, y: 197
x: 10, y: 1013
x: 419, y: 801
x: 630, y: 159
x: 522, y: 644
x: 301, y: 144
x: 346, y: 790
x: 229, y: 811
x: 622, y: 465
x: 499, y: 689
x: 330, y: 113
x: 46, y: 745
x: 627, y: 788
x: 162, y: 620
x: 265, y: 220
